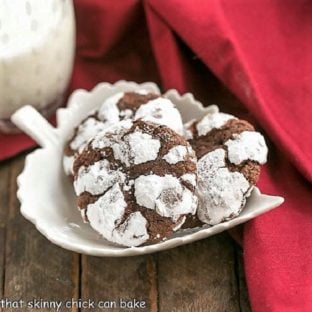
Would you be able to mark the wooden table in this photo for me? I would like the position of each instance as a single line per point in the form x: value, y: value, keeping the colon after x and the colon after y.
x: 204, y: 276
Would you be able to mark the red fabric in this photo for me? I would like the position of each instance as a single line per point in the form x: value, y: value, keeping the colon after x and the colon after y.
x: 261, y: 50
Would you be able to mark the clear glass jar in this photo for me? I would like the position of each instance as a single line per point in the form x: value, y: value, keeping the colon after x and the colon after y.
x: 37, y: 43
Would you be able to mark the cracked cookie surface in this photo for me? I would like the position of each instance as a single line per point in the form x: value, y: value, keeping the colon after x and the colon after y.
x: 230, y: 153
x: 139, y: 104
x: 136, y: 182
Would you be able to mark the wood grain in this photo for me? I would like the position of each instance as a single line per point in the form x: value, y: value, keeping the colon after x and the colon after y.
x: 199, y: 277
x: 240, y: 275
x: 34, y: 267
x: 120, y: 278
x: 4, y: 200
x: 205, y: 276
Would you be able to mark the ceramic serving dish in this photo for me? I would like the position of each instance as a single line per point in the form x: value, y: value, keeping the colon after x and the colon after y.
x: 46, y: 194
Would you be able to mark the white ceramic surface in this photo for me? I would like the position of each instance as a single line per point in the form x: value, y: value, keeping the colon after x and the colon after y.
x: 46, y: 194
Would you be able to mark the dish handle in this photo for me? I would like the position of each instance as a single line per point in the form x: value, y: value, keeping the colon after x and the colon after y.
x: 29, y: 120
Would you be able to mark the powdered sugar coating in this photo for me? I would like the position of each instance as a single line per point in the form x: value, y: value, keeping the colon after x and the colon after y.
x: 143, y: 147
x: 85, y: 131
x: 105, y: 216
x: 68, y: 162
x: 114, y: 135
x: 97, y: 178
x: 212, y: 121
x: 109, y: 110
x: 176, y: 154
x: 161, y: 111
x: 248, y: 145
x: 135, y: 148
x: 166, y: 195
x: 133, y: 231
x: 106, y: 211
x: 119, y: 107
x: 115, y: 157
x: 222, y: 193
x: 187, y: 133
x: 83, y: 213
x: 179, y: 224
x: 189, y: 178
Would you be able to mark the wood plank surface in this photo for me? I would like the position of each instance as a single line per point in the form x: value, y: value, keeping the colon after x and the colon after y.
x: 204, y: 276
x: 4, y: 200
x: 243, y: 292
x: 199, y: 277
x: 120, y: 280
x: 34, y: 267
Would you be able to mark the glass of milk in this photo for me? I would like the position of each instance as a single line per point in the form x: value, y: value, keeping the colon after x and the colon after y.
x: 37, y: 43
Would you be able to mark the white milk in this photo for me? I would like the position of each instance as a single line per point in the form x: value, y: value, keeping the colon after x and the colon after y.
x: 36, y: 52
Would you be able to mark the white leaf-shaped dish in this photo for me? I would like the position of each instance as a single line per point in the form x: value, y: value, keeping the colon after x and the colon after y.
x: 46, y: 194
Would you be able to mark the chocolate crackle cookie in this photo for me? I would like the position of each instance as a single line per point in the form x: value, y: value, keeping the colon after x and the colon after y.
x: 229, y: 153
x: 136, y: 182
x: 140, y: 104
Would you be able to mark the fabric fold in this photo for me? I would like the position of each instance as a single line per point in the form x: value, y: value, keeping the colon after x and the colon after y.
x: 278, y: 270
x: 260, y: 50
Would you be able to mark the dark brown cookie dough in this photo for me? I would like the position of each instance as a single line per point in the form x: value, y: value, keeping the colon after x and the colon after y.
x: 136, y: 182
x: 229, y: 153
x: 124, y: 105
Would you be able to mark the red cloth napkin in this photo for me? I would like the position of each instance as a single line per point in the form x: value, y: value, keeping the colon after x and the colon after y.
x: 261, y: 50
